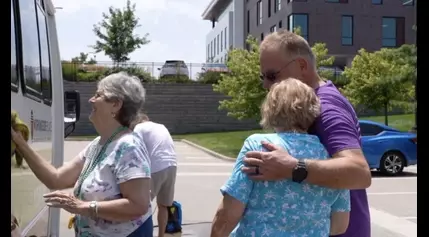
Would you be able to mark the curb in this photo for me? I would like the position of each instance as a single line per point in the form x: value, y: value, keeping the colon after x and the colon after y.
x: 208, y: 151
x: 79, y: 139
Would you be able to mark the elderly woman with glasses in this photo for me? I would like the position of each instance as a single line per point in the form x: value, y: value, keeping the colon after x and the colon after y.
x: 285, y: 207
x: 110, y: 176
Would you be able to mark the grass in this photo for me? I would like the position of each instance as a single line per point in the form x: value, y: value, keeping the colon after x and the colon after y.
x: 230, y: 143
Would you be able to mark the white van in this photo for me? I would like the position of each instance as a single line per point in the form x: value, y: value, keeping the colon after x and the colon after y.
x: 38, y: 98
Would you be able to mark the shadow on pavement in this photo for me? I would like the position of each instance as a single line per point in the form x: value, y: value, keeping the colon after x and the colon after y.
x: 377, y: 174
x: 199, y: 229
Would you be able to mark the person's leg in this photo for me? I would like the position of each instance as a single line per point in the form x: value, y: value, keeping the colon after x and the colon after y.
x: 165, y: 199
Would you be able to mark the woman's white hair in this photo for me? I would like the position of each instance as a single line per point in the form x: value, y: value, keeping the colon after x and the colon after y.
x: 128, y: 89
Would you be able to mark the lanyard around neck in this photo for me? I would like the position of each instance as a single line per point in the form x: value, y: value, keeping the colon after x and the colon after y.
x: 93, y: 161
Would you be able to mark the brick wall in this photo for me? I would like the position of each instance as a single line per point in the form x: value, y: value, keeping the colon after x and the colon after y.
x: 182, y: 108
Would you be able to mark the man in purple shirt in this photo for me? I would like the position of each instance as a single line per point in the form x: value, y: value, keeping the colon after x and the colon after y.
x: 284, y: 54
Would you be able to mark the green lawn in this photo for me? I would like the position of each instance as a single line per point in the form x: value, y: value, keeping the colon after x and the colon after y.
x: 230, y: 143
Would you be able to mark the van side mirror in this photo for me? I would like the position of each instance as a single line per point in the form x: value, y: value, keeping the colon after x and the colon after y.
x: 71, y: 111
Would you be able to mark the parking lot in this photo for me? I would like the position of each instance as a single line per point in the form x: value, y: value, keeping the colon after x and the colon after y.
x: 393, y: 200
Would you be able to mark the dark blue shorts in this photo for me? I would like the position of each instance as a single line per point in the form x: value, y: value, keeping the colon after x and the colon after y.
x: 145, y: 230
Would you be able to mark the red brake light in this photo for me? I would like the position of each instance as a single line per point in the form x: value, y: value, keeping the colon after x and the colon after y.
x: 414, y: 140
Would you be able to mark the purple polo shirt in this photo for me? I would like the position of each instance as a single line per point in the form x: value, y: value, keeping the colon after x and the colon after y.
x: 338, y: 129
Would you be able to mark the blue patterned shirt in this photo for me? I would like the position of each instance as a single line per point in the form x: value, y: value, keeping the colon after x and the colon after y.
x: 284, y: 208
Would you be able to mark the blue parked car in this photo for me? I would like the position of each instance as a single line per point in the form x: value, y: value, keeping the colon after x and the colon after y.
x: 387, y: 149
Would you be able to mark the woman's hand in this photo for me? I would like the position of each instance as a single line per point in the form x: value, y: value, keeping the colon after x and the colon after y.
x: 66, y: 201
x: 16, y: 136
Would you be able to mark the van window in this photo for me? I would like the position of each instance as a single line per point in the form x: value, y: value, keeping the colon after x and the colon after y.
x: 13, y: 58
x: 30, y: 47
x: 45, y: 63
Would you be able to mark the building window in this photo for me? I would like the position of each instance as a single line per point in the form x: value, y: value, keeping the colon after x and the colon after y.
x: 273, y: 28
x: 277, y: 5
x: 347, y: 30
x: 259, y: 12
x: 377, y: 2
x: 221, y: 41
x: 408, y: 2
x: 301, y: 21
x: 337, y: 1
x: 262, y: 36
x: 225, y: 40
x: 393, y: 30
x: 248, y: 21
x: 217, y: 45
x: 211, y: 49
x: 280, y: 24
x: 269, y: 8
x: 214, y: 47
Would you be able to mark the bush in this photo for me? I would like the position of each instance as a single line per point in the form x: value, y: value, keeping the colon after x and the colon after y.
x: 209, y: 77
x: 133, y: 70
x: 69, y: 71
x: 89, y: 76
x: 175, y: 79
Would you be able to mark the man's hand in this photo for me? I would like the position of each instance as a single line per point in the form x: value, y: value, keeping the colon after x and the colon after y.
x: 274, y: 164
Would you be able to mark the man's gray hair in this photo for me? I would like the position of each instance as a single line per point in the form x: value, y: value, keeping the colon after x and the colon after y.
x: 128, y: 89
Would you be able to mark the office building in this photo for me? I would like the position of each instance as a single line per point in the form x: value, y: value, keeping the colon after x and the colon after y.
x: 227, y: 28
x: 344, y: 25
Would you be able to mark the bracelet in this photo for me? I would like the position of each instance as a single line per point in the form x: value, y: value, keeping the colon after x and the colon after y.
x: 93, y: 207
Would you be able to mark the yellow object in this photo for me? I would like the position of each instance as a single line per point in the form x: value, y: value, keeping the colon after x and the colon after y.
x: 71, y: 222
x: 19, y: 126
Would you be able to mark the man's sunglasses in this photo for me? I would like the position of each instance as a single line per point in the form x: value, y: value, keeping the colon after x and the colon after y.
x: 272, y: 76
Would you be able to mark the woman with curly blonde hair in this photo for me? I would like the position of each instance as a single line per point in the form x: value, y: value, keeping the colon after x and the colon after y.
x: 282, y: 208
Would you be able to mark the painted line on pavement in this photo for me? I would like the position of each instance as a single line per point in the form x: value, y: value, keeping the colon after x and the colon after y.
x: 393, y: 223
x: 189, y: 174
x: 409, y: 217
x: 393, y: 178
x: 197, y: 157
x: 393, y: 193
x: 205, y: 164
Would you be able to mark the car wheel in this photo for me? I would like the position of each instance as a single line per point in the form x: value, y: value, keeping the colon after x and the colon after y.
x: 392, y: 163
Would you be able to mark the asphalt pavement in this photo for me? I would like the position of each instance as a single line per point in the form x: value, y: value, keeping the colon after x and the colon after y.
x: 393, y: 200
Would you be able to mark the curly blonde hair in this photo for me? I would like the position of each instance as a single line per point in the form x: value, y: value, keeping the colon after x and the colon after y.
x: 290, y: 105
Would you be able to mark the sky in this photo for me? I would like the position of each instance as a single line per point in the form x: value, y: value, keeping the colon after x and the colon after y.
x: 176, y: 28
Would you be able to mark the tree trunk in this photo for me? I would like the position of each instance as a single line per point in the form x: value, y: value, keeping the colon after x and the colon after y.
x: 386, y: 117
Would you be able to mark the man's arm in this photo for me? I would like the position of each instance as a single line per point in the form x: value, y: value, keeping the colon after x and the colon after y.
x: 227, y: 216
x: 348, y: 169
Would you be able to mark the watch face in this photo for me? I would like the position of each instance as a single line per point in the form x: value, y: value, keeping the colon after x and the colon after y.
x: 299, y: 174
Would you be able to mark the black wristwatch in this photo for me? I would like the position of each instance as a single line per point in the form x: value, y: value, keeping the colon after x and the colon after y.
x: 300, y: 172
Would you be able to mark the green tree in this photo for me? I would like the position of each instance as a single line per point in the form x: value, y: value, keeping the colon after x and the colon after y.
x: 83, y: 59
x: 116, y: 37
x: 377, y: 81
x: 242, y: 84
